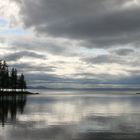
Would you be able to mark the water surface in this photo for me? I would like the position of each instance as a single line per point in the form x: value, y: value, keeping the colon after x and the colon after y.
x: 71, y: 115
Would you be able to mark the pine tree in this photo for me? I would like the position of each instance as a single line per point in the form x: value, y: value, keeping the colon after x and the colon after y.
x: 22, y: 82
x: 10, y: 81
x: 0, y: 75
x: 14, y: 79
x: 6, y: 84
x: 5, y: 75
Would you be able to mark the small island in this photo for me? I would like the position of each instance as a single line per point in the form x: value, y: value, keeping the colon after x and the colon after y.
x: 12, y: 83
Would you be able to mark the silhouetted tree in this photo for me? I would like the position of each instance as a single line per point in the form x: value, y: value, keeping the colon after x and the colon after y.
x: 0, y: 75
x: 10, y: 79
x: 5, y: 75
x: 22, y: 82
x: 14, y: 79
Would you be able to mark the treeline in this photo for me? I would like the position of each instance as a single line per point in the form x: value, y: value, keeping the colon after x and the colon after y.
x: 10, y: 80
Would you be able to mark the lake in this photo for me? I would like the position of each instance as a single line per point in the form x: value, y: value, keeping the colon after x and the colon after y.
x: 71, y: 115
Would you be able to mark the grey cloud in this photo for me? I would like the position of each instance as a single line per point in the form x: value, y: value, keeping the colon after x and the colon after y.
x: 17, y: 55
x: 124, y: 51
x: 123, y: 56
x: 27, y: 67
x: 132, y: 79
x: 2, y: 40
x: 100, y: 59
x: 43, y: 78
x: 44, y: 46
x: 100, y: 22
x: 52, y: 80
x: 112, y: 79
x: 93, y: 23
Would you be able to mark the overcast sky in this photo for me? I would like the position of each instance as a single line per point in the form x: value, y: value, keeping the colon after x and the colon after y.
x: 76, y: 41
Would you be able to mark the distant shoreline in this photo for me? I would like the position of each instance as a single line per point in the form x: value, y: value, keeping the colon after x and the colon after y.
x: 87, y: 89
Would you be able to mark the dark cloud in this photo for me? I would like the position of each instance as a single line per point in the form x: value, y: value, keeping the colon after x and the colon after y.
x: 131, y: 79
x: 52, y: 80
x: 100, y: 59
x: 27, y: 67
x: 123, y: 56
x: 124, y: 51
x: 104, y: 22
x: 44, y: 79
x: 17, y: 55
x: 36, y: 45
x: 91, y: 23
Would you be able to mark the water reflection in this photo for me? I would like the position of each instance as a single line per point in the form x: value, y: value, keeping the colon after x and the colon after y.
x: 10, y: 106
x: 74, y: 117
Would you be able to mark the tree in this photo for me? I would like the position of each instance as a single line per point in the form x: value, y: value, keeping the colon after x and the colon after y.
x: 6, y: 79
x: 5, y: 75
x: 0, y: 75
x: 10, y: 81
x: 13, y: 79
x: 22, y: 82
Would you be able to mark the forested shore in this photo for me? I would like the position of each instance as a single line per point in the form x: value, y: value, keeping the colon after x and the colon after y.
x: 10, y: 79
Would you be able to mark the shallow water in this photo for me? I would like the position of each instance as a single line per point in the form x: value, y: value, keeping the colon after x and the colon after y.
x: 71, y: 115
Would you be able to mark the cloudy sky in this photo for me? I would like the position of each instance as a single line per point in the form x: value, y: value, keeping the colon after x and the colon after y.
x: 72, y: 41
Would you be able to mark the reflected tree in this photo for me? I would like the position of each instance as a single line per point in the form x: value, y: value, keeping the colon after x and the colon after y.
x: 10, y: 106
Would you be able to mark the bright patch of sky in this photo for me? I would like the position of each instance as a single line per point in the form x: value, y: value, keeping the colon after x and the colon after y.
x: 131, y: 3
x: 6, y: 30
x: 93, y: 51
x: 13, y: 31
x: 3, y: 22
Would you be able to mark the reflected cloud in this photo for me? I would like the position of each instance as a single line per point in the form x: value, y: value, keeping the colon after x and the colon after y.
x: 77, y: 117
x: 93, y: 112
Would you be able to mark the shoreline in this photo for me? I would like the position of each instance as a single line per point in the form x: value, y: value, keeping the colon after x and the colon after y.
x: 12, y: 93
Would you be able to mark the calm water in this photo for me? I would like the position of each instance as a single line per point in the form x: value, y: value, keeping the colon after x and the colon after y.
x: 71, y: 115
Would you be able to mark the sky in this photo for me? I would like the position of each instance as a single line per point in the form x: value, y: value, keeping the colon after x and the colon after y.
x: 72, y: 41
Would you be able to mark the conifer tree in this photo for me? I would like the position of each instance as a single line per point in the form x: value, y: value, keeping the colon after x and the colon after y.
x: 0, y: 75
x: 5, y: 75
x: 10, y: 81
x: 22, y: 82
x: 14, y: 79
